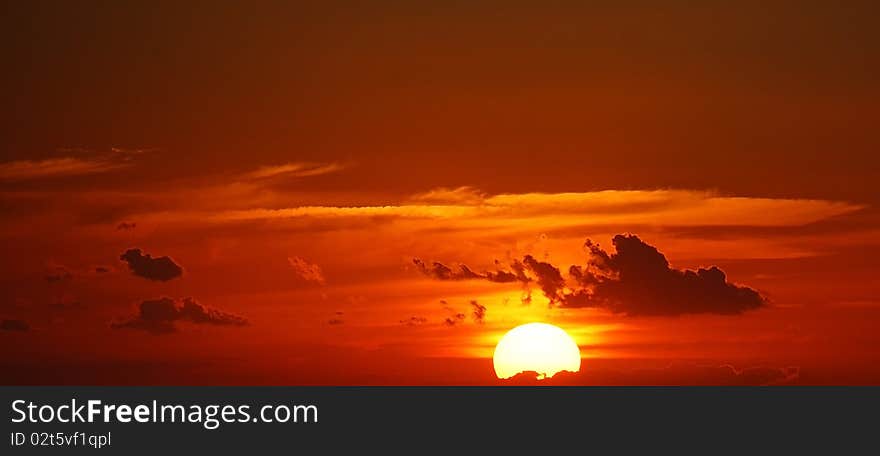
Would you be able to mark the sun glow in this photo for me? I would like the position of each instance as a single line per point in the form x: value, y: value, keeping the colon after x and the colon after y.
x: 538, y: 347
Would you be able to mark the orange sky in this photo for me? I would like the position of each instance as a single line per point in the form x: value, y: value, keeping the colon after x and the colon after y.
x: 293, y: 160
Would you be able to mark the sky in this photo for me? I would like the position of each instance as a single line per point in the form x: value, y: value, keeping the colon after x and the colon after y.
x: 341, y: 193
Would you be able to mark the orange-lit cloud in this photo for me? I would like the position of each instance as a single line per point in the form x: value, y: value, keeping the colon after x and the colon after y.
x: 56, y: 167
x: 302, y: 169
x: 21, y: 170
x: 552, y: 211
x: 309, y: 272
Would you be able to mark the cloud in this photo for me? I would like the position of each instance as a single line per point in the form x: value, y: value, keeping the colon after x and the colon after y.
x: 67, y: 166
x: 126, y: 226
x: 440, y: 271
x: 160, y: 269
x: 414, y: 321
x: 454, y: 319
x: 548, y: 277
x: 309, y: 272
x: 460, y: 195
x: 635, y: 280
x: 102, y: 269
x: 300, y: 169
x: 676, y: 373
x: 479, y: 312
x: 14, y: 325
x: 160, y: 316
x: 559, y: 211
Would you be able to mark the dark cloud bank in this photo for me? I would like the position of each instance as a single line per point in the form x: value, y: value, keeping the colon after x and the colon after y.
x: 634, y: 280
x: 675, y: 374
x: 160, y: 269
x: 160, y: 316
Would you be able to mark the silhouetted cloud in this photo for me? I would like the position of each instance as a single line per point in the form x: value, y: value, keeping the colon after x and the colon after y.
x: 102, y: 269
x: 440, y: 271
x: 517, y: 273
x: 126, y: 226
x: 143, y: 265
x: 414, y: 321
x: 454, y: 319
x: 309, y: 272
x: 676, y: 373
x: 635, y: 280
x: 14, y: 325
x: 548, y: 277
x: 479, y: 312
x: 161, y: 315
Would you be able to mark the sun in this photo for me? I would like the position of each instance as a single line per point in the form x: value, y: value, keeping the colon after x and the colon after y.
x: 538, y: 347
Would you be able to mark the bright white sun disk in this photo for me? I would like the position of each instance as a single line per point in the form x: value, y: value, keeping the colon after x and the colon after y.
x: 539, y: 347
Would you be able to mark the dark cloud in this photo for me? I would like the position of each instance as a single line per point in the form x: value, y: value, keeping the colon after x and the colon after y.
x: 440, y: 271
x: 161, y: 316
x: 126, y: 226
x: 676, y: 373
x: 548, y: 277
x: 634, y: 280
x: 454, y: 319
x: 637, y: 280
x: 102, y: 269
x: 414, y: 321
x: 143, y: 265
x: 479, y: 312
x: 517, y: 273
x: 14, y: 325
x: 58, y: 274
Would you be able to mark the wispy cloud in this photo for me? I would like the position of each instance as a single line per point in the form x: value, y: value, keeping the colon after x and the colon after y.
x: 20, y: 170
x: 297, y: 169
x: 559, y: 210
x: 55, y: 167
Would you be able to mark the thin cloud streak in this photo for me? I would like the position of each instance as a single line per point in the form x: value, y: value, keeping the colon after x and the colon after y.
x: 297, y: 169
x: 663, y: 207
x: 92, y: 163
x: 57, y: 167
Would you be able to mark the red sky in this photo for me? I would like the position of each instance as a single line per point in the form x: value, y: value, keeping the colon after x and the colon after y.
x: 292, y: 160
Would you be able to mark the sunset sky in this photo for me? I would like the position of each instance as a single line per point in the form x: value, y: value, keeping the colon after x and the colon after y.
x: 362, y: 193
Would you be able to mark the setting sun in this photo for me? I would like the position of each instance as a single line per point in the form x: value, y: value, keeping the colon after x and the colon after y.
x: 538, y: 347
